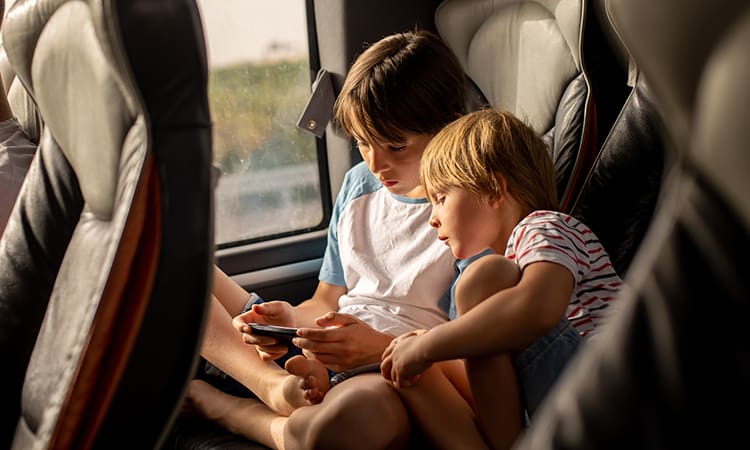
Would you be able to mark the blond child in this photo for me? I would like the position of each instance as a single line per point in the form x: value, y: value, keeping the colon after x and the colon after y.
x: 527, y: 273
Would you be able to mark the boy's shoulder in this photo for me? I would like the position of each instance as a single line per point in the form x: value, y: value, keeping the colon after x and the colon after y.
x: 359, y: 181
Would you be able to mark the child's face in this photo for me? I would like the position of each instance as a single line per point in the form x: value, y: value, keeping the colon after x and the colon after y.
x: 396, y: 165
x: 466, y: 223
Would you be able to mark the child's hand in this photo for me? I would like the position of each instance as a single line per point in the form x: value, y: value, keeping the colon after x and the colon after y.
x: 343, y: 341
x: 272, y: 313
x: 403, y: 360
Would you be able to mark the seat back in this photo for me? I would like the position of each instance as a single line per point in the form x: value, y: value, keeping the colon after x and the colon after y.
x: 21, y: 103
x: 651, y: 380
x: 105, y: 264
x: 14, y: 160
x: 525, y: 57
x: 618, y: 196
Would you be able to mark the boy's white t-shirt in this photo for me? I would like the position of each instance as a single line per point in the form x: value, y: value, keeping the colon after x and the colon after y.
x: 383, y: 250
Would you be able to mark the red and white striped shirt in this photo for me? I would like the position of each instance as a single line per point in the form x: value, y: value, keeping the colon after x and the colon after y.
x: 559, y: 238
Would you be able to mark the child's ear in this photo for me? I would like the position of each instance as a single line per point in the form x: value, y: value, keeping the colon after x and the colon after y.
x: 497, y: 198
x: 503, y: 183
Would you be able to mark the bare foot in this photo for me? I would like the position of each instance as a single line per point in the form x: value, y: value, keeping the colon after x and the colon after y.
x: 313, y: 377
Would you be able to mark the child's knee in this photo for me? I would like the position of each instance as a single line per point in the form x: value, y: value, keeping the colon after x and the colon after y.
x: 484, y: 277
x: 360, y: 418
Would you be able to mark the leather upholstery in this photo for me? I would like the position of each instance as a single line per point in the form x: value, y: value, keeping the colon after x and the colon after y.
x: 525, y: 57
x: 619, y: 196
x: 14, y: 158
x: 111, y: 240
x: 674, y: 366
x: 21, y: 103
x: 23, y: 106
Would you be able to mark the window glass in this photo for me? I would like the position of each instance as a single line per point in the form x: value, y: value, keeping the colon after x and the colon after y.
x: 259, y: 81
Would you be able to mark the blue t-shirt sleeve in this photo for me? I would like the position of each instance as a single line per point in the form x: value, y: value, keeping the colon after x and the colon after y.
x: 358, y: 181
x: 331, y: 270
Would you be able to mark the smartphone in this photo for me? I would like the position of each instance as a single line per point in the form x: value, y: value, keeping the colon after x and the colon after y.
x: 272, y: 330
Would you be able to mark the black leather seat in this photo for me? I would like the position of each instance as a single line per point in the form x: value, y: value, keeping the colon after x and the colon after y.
x: 105, y: 264
x: 673, y: 369
x: 618, y: 196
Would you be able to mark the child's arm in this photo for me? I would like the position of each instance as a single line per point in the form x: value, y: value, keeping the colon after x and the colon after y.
x: 324, y: 300
x: 343, y: 342
x: 507, y: 320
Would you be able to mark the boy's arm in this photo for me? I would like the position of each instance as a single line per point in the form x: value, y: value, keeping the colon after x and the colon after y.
x: 325, y: 299
x: 233, y: 297
x: 508, y: 320
x: 344, y: 342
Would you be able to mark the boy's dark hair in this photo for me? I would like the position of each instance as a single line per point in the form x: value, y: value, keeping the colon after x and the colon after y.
x: 406, y: 82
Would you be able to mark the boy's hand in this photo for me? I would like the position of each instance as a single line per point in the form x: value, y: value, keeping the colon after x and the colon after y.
x: 343, y: 342
x: 272, y: 313
x: 404, y: 360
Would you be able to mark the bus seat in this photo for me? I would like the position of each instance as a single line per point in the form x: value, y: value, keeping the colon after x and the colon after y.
x: 105, y: 264
x: 618, y: 197
x: 674, y: 364
x: 525, y: 57
x: 21, y: 103
x: 15, y: 161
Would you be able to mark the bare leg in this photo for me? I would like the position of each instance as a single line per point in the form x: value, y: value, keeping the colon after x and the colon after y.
x: 493, y: 380
x: 488, y: 275
x: 443, y: 409
x: 230, y: 294
x: 223, y: 347
x: 242, y: 416
x: 497, y: 399
x: 363, y: 412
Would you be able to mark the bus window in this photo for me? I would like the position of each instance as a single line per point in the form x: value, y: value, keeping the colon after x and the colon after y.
x: 259, y: 81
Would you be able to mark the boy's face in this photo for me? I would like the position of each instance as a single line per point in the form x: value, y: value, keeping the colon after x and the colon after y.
x: 396, y: 165
x: 466, y: 223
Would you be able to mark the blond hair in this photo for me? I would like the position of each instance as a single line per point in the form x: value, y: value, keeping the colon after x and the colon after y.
x: 480, y: 149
